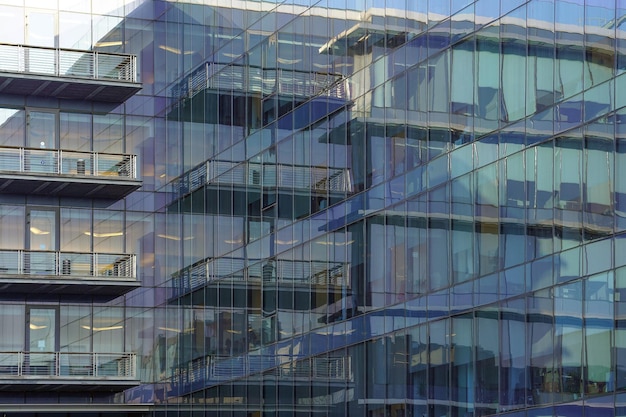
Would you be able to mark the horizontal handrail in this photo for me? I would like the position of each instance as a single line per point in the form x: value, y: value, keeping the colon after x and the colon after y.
x: 68, y: 63
x: 281, y: 271
x: 255, y: 79
x: 67, y: 264
x: 61, y: 162
x: 315, y: 178
x: 68, y: 364
x: 226, y: 367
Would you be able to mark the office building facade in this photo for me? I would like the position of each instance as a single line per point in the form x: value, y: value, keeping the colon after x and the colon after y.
x: 350, y: 208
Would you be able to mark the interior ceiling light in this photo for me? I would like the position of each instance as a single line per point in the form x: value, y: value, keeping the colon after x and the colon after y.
x: 100, y: 329
x: 36, y: 231
x: 176, y: 238
x: 174, y: 50
x: 336, y: 243
x: 109, y: 43
x: 171, y: 329
x: 35, y: 327
x: 233, y: 242
x: 286, y: 242
x: 110, y: 234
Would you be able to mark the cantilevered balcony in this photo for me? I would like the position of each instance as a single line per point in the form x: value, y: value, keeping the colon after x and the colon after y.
x: 289, y: 274
x: 250, y: 79
x: 100, y: 275
x: 249, y: 174
x: 67, y: 173
x: 65, y: 371
x: 67, y: 74
x: 360, y: 38
x: 330, y: 371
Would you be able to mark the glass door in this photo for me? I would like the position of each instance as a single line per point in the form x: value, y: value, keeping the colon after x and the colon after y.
x: 40, y: 31
x: 41, y: 241
x: 41, y: 339
x: 42, y: 129
x: 40, y: 28
x: 41, y: 229
x: 41, y: 138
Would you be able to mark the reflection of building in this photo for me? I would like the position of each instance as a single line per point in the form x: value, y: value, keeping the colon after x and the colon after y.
x: 254, y: 209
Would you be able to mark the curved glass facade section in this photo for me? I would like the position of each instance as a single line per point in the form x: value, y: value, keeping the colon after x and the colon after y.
x: 465, y: 260
x: 355, y: 208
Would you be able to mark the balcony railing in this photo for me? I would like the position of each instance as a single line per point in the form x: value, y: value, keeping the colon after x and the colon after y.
x: 74, y: 163
x: 68, y: 365
x: 265, y: 81
x: 67, y: 265
x: 314, y: 178
x: 338, y: 368
x: 281, y: 271
x: 68, y: 63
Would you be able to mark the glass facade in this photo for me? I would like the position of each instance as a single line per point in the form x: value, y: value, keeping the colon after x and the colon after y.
x: 344, y: 208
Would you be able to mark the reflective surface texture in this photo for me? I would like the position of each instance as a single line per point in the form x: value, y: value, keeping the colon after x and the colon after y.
x: 348, y: 208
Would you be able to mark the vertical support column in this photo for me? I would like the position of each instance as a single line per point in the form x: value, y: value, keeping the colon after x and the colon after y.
x: 95, y: 65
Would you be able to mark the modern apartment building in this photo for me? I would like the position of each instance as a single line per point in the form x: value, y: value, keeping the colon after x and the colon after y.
x: 350, y: 208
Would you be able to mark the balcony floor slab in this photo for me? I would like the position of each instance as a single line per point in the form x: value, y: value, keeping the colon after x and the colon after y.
x: 70, y: 383
x: 112, y: 187
x: 83, y: 89
x: 102, y: 289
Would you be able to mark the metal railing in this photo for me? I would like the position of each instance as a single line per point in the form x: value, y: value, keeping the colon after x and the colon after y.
x: 68, y: 63
x: 254, y: 79
x: 68, y: 364
x: 60, y: 162
x: 286, y: 272
x: 326, y: 368
x: 333, y: 368
x: 315, y: 178
x: 67, y: 264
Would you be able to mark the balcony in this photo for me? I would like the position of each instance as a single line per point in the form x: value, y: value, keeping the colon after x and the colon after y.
x: 360, y: 38
x: 249, y: 174
x: 249, y: 79
x: 67, y: 173
x: 329, y: 370
x: 101, y: 275
x: 65, y: 371
x: 67, y: 74
x: 289, y: 274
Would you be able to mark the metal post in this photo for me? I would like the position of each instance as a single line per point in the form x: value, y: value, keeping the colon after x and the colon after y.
x: 57, y: 263
x: 95, y: 64
x: 57, y: 62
